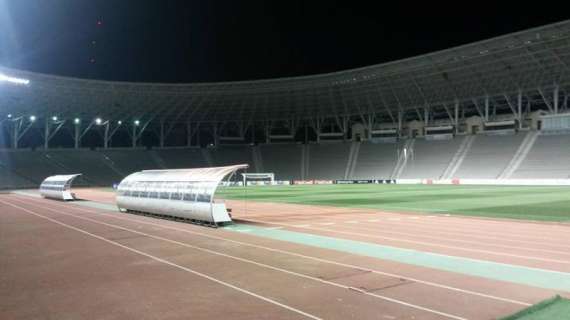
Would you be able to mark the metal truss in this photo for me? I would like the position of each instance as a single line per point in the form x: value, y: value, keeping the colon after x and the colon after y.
x: 515, y: 73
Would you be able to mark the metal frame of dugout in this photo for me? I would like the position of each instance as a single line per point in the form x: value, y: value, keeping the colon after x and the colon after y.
x: 181, y: 193
x: 58, y: 187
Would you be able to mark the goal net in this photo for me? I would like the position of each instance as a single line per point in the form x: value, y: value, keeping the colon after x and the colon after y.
x: 254, y: 179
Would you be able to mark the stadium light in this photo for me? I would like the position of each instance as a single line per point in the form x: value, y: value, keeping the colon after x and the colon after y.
x: 119, y: 122
x: 32, y: 118
x: 137, y: 122
x: 54, y: 118
x: 76, y: 120
x: 13, y: 80
x: 9, y: 116
x: 98, y: 121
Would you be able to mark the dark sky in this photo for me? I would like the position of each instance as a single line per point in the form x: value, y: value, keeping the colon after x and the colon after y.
x: 211, y: 40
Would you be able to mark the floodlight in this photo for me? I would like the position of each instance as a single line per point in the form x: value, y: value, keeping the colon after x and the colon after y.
x: 32, y: 118
x: 54, y: 118
x: 76, y: 121
x: 9, y: 116
x: 119, y: 122
x: 137, y: 122
x: 98, y: 121
x: 13, y: 80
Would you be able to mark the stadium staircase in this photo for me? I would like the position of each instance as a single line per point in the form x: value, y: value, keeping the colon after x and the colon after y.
x: 158, y: 160
x: 208, y: 157
x: 257, y: 159
x: 402, y: 159
x: 458, y: 157
x: 352, y: 160
x: 520, y: 155
x: 305, y: 161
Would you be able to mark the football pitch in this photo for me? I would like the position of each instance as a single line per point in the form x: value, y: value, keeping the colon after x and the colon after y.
x: 514, y: 202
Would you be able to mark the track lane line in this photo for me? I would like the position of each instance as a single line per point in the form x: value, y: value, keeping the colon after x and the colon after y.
x: 385, y: 298
x: 451, y: 220
x: 164, y: 261
x: 418, y: 242
x: 429, y: 283
x: 365, y: 228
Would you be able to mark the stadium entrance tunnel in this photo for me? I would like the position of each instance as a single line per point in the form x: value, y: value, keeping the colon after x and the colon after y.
x: 58, y: 187
x: 180, y: 193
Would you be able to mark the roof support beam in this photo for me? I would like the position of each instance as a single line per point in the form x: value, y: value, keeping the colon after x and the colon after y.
x: 18, y: 133
x: 49, y: 135
x: 546, y: 102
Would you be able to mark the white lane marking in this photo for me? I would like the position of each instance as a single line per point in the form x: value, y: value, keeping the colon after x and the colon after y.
x: 437, y: 285
x: 300, y: 225
x: 274, y: 228
x: 166, y: 262
x: 436, y: 228
x: 389, y: 231
x: 414, y: 218
x: 373, y: 220
x: 352, y: 221
x: 443, y: 246
x: 326, y: 223
x: 243, y: 230
x: 394, y: 219
x: 410, y: 305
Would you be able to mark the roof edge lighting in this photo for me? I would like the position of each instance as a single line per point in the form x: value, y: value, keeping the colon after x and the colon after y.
x: 14, y: 80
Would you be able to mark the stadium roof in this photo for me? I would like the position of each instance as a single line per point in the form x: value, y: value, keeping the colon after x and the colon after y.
x: 532, y: 60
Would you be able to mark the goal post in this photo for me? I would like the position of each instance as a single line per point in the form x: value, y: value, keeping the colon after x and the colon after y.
x: 257, y: 177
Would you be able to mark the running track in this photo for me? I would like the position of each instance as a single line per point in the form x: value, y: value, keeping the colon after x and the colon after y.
x: 70, y: 261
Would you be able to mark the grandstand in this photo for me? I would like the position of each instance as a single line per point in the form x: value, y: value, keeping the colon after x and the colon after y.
x: 470, y: 112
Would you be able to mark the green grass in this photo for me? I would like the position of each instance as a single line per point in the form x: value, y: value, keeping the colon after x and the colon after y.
x: 555, y: 308
x: 515, y: 202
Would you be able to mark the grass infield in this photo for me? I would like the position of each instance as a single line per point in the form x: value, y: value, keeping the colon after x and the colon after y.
x: 514, y: 202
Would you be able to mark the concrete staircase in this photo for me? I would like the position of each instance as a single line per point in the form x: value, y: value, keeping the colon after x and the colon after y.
x: 257, y: 160
x: 158, y: 160
x: 520, y: 155
x: 458, y: 158
x: 403, y: 158
x: 352, y: 160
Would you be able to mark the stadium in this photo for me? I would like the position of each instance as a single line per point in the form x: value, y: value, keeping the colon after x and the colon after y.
x: 434, y: 187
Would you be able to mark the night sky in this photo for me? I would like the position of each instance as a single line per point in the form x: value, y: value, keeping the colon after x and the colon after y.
x: 196, y: 41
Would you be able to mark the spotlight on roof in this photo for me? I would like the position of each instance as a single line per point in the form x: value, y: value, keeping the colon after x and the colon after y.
x: 32, y: 118
x: 76, y: 120
x: 137, y: 122
x: 13, y: 80
x: 119, y: 122
x: 9, y: 116
x: 54, y: 118
x: 98, y: 121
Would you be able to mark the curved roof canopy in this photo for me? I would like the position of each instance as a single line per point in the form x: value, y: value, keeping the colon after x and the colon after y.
x: 208, y: 174
x: 535, y: 58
